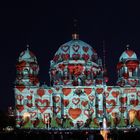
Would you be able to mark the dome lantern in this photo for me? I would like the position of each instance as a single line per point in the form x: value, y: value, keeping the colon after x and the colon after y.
x: 75, y: 36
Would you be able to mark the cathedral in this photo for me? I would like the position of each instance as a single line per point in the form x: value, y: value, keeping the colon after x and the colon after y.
x: 78, y: 96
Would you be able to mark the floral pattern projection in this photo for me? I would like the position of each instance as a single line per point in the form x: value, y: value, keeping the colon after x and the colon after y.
x: 78, y: 96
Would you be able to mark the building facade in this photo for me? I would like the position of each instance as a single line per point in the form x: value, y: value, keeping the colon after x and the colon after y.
x: 78, y: 96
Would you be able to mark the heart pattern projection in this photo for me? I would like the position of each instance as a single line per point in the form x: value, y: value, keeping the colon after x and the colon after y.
x: 29, y: 97
x: 66, y: 91
x: 75, y: 47
x: 34, y: 66
x: 65, y: 56
x: 33, y: 80
x: 56, y: 99
x: 84, y: 103
x: 57, y: 88
x: 20, y: 88
x: 87, y: 90
x: 56, y: 109
x: 42, y: 105
x: 123, y: 100
x: 31, y: 91
x: 99, y: 90
x: 20, y: 108
x: 134, y: 102
x: 88, y: 82
x: 36, y: 122
x: 50, y: 91
x: 75, y: 69
x: 65, y: 102
x: 40, y: 92
x: 85, y: 49
x: 133, y: 83
x: 76, y: 56
x: 29, y: 104
x: 88, y: 112
x: 109, y: 88
x: 106, y: 94
x: 85, y: 57
x: 111, y: 103
x: 33, y: 114
x: 74, y: 112
x: 75, y: 101
x: 115, y: 94
x: 91, y: 97
x: 21, y: 65
x: 99, y: 81
x: 65, y: 48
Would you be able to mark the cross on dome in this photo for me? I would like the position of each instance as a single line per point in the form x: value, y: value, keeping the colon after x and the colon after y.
x: 75, y: 35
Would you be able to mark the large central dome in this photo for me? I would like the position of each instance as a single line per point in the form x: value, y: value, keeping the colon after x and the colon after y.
x: 75, y: 50
x: 75, y: 64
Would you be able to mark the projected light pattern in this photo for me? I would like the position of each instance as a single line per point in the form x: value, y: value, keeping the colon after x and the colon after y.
x: 78, y: 96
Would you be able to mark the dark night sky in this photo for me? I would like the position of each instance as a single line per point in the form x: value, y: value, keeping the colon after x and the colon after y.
x: 45, y: 26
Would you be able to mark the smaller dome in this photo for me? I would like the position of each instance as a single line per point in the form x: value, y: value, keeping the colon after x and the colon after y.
x: 128, y: 55
x: 27, y: 56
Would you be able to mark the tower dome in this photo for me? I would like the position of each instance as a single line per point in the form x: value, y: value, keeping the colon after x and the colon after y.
x: 27, y: 68
x: 128, y: 55
x: 75, y: 50
x: 127, y: 68
x: 27, y: 56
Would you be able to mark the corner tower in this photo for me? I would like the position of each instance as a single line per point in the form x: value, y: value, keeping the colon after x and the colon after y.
x: 25, y: 85
x: 128, y: 69
x: 27, y: 69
